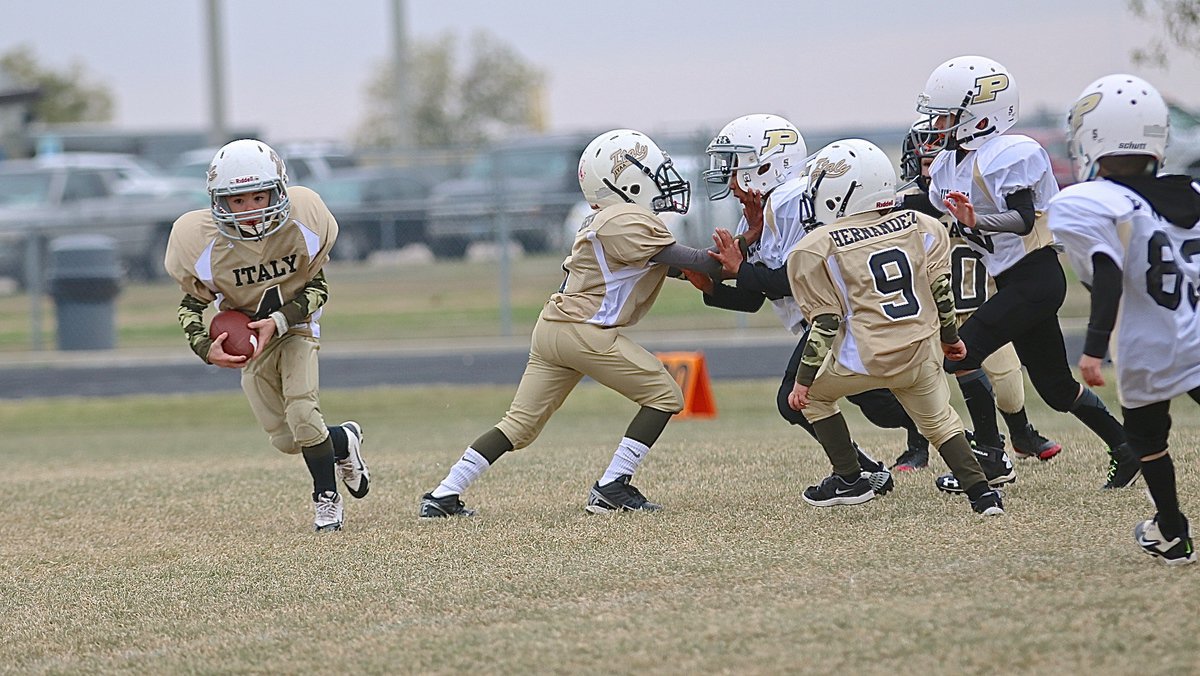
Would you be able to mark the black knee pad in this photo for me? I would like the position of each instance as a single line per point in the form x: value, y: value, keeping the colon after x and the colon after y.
x: 1087, y: 399
x: 793, y: 417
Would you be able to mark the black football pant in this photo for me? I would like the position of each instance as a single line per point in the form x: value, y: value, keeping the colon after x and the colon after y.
x: 1024, y: 312
x: 879, y: 406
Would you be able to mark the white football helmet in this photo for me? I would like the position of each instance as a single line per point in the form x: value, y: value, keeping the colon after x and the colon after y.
x: 625, y: 166
x: 1116, y: 115
x: 978, y: 95
x: 248, y: 166
x: 849, y: 177
x: 764, y: 151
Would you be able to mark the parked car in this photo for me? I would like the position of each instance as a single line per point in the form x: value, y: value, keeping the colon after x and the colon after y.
x: 378, y: 208
x: 531, y: 182
x: 47, y: 198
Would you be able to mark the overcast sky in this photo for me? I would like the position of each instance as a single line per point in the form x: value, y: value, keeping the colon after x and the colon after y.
x: 298, y: 68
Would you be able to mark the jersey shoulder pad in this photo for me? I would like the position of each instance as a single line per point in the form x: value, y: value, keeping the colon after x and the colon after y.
x: 1102, y: 198
x: 1011, y: 150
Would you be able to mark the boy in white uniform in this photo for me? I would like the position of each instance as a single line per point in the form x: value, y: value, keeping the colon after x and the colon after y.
x: 1132, y: 239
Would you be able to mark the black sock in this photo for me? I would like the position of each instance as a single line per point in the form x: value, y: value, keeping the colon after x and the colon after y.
x: 341, y: 444
x: 981, y: 404
x: 1017, y: 422
x: 1093, y: 413
x: 319, y: 459
x: 974, y: 492
x: 1160, y: 481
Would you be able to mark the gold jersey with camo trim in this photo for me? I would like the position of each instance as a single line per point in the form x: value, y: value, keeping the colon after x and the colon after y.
x: 610, y: 280
x: 254, y: 276
x: 874, y: 272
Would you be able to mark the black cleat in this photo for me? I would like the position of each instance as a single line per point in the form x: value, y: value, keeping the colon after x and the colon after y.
x: 618, y: 496
x: 440, y: 508
x: 995, y: 465
x: 1029, y: 443
x: 833, y: 490
x: 912, y: 459
x: 875, y: 472
x: 989, y: 504
x: 1123, y: 467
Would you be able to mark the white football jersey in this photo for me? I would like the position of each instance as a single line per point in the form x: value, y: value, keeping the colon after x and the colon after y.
x: 1000, y: 167
x: 782, y: 229
x: 1157, y: 351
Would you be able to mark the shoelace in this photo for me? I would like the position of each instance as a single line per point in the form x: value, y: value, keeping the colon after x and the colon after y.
x: 327, y: 510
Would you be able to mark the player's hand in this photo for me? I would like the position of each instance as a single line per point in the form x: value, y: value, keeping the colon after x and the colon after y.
x: 728, y: 253
x: 218, y: 357
x: 699, y: 280
x: 798, y: 399
x: 961, y: 208
x: 265, y: 330
x: 1089, y: 368
x: 752, y: 208
x: 955, y: 351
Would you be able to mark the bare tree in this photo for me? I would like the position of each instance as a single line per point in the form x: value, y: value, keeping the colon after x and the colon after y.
x: 495, y: 94
x: 1180, y: 20
x: 65, y: 96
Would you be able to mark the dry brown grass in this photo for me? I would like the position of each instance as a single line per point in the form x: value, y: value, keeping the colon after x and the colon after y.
x: 162, y: 535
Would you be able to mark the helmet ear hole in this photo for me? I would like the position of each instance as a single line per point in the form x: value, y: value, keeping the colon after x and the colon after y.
x: 635, y: 189
x: 764, y: 168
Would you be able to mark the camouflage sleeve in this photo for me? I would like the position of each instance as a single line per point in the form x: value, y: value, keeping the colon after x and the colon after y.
x: 816, y: 348
x: 309, y: 300
x: 191, y: 318
x: 944, y: 297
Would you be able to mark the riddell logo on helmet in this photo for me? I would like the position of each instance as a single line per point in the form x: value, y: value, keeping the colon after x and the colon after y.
x: 884, y: 204
x: 241, y: 180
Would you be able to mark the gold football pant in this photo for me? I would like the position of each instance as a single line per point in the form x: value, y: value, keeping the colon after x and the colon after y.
x: 562, y: 353
x: 921, y: 390
x: 282, y: 387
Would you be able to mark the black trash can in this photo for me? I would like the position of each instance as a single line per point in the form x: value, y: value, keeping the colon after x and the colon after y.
x: 84, y: 280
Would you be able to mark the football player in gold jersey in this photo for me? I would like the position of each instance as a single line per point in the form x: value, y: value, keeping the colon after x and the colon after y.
x: 875, y: 284
x: 260, y: 249
x: 617, y: 265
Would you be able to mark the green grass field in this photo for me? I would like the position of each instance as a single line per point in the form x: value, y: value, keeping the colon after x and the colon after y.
x: 164, y: 535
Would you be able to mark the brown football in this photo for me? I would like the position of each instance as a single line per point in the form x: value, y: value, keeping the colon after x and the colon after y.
x: 241, y: 340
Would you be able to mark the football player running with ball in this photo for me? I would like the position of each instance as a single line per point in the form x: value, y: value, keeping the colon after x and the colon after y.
x: 876, y: 285
x: 260, y: 249
x: 997, y: 186
x: 1132, y: 238
x: 617, y: 265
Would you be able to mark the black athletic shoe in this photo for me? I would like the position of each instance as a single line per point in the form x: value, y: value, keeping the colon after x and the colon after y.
x: 912, y: 459
x: 988, y: 504
x: 1029, y: 443
x: 875, y: 472
x: 439, y: 508
x: 833, y: 490
x: 1173, y: 551
x: 618, y: 496
x: 1123, y: 467
x: 995, y: 465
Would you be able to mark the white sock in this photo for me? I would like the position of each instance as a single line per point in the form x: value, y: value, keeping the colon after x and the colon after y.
x: 466, y: 470
x: 625, y: 461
